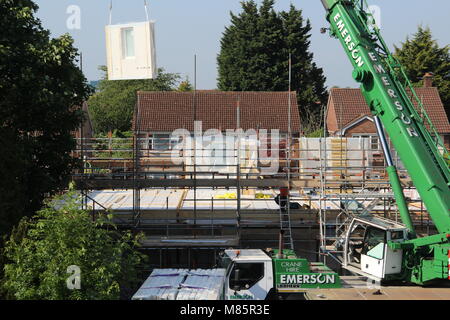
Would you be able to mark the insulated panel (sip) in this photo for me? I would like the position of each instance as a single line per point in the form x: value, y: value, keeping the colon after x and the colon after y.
x: 130, y: 51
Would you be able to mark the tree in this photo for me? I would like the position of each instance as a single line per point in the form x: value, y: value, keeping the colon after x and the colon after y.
x: 40, y: 87
x: 422, y: 54
x: 255, y: 52
x: 41, y: 250
x: 112, y: 107
x: 185, y: 86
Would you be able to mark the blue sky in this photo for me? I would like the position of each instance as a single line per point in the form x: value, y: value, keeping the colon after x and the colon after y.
x: 185, y: 28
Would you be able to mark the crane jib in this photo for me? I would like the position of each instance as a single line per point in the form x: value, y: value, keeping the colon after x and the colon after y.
x: 351, y: 46
x: 392, y: 94
x: 385, y: 85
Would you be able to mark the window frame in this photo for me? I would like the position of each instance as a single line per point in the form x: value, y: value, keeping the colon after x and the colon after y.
x: 374, y: 140
x: 125, y: 43
x: 231, y: 278
x: 365, y: 249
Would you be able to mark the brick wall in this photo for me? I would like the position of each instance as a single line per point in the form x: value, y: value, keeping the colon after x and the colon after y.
x: 366, y: 126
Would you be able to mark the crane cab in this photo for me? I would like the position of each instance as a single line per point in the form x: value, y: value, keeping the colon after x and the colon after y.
x: 366, y: 248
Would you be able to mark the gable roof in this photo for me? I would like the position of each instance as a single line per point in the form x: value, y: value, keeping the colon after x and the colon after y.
x: 168, y: 111
x: 355, y: 122
x: 347, y: 105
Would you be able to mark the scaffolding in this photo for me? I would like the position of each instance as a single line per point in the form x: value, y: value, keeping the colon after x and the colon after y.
x: 373, y: 196
x: 211, y: 205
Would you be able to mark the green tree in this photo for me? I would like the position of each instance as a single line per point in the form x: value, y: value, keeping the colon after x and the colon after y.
x: 122, y: 144
x: 40, y: 251
x: 112, y: 107
x: 40, y: 87
x: 255, y: 52
x: 422, y: 54
x: 185, y: 86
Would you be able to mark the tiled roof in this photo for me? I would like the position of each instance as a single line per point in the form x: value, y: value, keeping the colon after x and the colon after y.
x: 168, y: 111
x: 347, y: 105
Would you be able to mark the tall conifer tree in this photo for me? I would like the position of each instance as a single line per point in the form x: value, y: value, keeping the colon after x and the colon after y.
x: 255, y: 52
x: 422, y: 54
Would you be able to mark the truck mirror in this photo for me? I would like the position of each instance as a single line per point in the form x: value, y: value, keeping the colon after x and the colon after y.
x: 236, y: 280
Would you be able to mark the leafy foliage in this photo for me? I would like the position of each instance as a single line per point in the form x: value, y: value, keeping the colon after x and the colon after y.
x: 40, y: 87
x: 120, y: 146
x: 319, y: 133
x: 41, y: 249
x: 112, y: 107
x: 255, y: 52
x: 422, y: 54
x: 185, y: 86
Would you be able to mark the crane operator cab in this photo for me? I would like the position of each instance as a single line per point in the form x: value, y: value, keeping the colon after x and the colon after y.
x: 366, y: 248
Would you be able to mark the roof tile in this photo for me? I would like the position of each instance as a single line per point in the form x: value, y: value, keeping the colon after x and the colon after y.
x: 168, y: 111
x: 349, y: 104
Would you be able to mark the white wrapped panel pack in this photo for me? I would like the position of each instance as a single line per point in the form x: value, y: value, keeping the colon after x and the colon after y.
x: 130, y: 50
x: 163, y: 284
x: 203, y: 285
x: 182, y: 284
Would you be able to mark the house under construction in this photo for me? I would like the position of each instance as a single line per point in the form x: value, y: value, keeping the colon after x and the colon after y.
x: 195, y: 184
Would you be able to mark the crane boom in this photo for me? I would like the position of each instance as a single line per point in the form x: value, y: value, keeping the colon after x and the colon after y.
x: 388, y: 96
x: 395, y: 105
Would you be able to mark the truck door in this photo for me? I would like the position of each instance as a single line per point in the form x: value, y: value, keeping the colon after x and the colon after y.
x: 248, y: 281
x: 377, y: 258
x: 372, y: 255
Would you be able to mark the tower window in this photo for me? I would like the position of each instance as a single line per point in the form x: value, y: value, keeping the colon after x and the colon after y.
x: 128, y: 42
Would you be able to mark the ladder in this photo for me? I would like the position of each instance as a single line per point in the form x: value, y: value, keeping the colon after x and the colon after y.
x: 285, y: 225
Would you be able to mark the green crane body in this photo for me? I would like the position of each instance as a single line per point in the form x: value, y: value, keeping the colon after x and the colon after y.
x: 391, y: 97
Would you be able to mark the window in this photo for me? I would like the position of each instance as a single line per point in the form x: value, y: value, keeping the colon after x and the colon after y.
x: 161, y: 142
x: 128, y: 42
x: 374, y: 143
x: 397, y: 235
x: 372, y: 239
x: 246, y: 275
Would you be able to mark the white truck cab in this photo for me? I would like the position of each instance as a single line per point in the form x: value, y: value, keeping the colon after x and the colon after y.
x: 249, y: 274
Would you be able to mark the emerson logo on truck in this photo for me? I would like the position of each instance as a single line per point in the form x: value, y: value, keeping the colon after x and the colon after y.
x: 293, y: 280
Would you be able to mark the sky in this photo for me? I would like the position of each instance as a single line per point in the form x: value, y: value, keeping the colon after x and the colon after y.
x: 187, y: 28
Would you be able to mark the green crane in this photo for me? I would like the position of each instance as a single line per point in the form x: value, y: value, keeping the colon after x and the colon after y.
x: 391, y: 251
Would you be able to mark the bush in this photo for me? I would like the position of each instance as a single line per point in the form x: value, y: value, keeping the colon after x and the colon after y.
x: 120, y: 149
x: 41, y: 249
x: 316, y: 134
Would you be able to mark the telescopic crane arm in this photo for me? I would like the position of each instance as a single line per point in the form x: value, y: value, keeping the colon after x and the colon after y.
x: 387, y: 92
x: 396, y: 107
